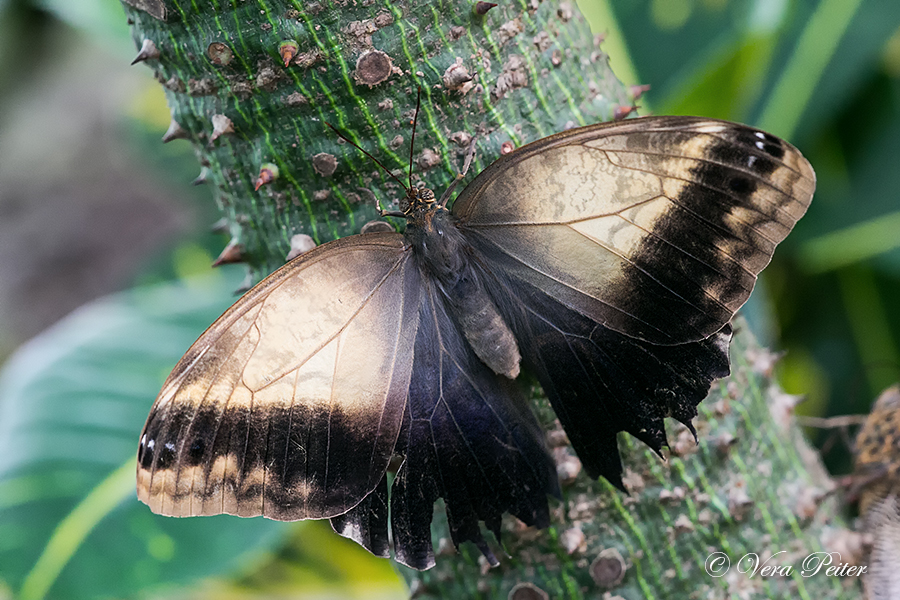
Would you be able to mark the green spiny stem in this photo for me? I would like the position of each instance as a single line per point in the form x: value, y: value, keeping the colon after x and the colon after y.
x: 522, y: 71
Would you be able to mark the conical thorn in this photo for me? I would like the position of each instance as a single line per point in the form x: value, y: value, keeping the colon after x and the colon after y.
x: 174, y: 132
x: 268, y: 173
x: 621, y: 112
x: 220, y: 226
x: 481, y: 8
x: 233, y: 253
x: 203, y: 177
x: 148, y: 50
x: 637, y: 91
x: 221, y: 125
x: 288, y: 50
x: 300, y: 244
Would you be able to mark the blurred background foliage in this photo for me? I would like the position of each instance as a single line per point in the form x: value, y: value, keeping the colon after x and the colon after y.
x: 92, y: 204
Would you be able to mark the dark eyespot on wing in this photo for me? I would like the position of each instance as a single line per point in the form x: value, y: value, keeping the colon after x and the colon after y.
x: 601, y: 382
x: 654, y: 227
x: 741, y: 185
x: 290, y: 405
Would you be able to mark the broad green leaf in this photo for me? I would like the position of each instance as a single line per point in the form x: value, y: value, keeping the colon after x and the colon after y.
x: 72, y: 403
x: 729, y: 83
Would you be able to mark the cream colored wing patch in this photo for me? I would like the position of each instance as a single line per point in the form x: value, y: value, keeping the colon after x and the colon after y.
x: 655, y: 227
x: 289, y: 406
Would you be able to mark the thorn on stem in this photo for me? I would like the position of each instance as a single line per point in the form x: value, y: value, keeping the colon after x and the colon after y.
x: 203, y: 177
x: 621, y: 112
x: 233, y: 253
x: 288, y: 50
x: 482, y: 8
x: 268, y: 173
x: 221, y: 125
x: 148, y: 51
x: 637, y: 91
x: 174, y: 132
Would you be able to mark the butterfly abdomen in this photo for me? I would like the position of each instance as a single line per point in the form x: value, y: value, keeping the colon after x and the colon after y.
x: 445, y: 255
x: 484, y: 328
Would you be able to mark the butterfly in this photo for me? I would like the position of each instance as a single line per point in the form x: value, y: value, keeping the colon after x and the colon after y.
x: 607, y: 261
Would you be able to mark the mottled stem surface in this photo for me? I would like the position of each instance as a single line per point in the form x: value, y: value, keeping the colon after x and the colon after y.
x: 252, y: 85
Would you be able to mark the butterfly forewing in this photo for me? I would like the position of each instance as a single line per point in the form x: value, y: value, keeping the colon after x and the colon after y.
x: 290, y: 405
x: 654, y: 227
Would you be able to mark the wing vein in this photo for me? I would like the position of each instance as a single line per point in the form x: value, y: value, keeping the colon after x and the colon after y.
x: 730, y: 143
x: 573, y: 288
x: 393, y: 365
x: 767, y: 182
x: 330, y: 339
x: 331, y: 406
x: 647, y: 273
x: 290, y: 424
x: 639, y: 268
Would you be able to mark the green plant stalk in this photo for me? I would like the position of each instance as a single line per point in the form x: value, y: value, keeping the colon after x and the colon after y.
x: 72, y: 531
x: 534, y: 70
x: 515, y: 74
x: 803, y: 72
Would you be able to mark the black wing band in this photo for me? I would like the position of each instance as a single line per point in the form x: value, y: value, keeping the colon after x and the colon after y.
x: 601, y: 382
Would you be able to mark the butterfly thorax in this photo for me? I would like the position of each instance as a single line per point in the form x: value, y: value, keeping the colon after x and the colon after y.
x: 446, y: 257
x: 437, y: 242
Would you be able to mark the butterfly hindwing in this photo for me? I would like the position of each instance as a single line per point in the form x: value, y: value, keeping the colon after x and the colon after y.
x: 289, y: 406
x: 601, y: 382
x: 655, y: 227
x: 470, y: 438
x: 367, y: 522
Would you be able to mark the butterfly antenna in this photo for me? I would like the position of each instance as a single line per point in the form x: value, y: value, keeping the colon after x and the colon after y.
x: 412, y: 142
x: 358, y: 147
x: 470, y: 154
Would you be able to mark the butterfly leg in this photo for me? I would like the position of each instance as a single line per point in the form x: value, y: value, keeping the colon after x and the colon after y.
x: 470, y: 154
x: 387, y: 213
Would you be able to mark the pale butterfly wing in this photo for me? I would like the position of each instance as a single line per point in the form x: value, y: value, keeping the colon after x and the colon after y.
x: 290, y: 404
x: 654, y: 227
x: 617, y: 254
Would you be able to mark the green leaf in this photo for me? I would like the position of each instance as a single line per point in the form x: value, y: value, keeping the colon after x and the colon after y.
x: 816, y: 47
x: 728, y: 84
x: 72, y: 403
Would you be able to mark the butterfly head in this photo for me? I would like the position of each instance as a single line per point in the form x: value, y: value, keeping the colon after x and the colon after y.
x: 417, y: 200
x: 420, y: 207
